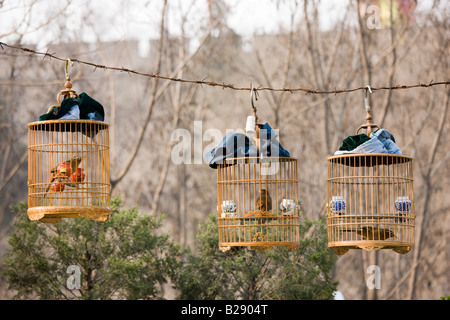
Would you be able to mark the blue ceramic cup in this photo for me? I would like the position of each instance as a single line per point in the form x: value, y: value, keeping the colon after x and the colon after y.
x: 337, y: 204
x: 402, y: 204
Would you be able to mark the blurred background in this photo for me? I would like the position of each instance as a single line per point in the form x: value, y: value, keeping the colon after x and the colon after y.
x: 309, y: 44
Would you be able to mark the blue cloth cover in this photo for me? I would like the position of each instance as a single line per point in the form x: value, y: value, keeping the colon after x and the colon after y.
x: 238, y: 145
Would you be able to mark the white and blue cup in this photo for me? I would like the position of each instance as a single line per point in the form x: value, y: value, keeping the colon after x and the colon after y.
x: 287, y: 206
x: 337, y: 204
x: 402, y: 205
x: 229, y: 208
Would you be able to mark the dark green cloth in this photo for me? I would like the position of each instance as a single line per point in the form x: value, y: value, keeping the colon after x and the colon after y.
x: 58, y: 112
x: 89, y: 105
x: 351, y: 142
x: 86, y: 104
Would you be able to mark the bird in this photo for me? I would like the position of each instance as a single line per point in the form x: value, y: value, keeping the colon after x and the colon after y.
x: 263, y: 204
x: 375, y: 233
x: 74, y: 163
x: 264, y: 201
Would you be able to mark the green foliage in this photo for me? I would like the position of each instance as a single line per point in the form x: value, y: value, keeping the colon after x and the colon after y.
x: 122, y: 258
x: 125, y: 258
x: 241, y: 273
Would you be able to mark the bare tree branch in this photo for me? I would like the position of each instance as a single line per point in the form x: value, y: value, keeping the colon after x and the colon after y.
x: 420, y: 225
x: 154, y: 97
x: 150, y: 104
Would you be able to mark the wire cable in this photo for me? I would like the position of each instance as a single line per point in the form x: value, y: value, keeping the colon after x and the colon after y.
x: 222, y: 85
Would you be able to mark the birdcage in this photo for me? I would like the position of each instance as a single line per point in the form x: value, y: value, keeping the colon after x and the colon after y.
x: 370, y: 201
x: 258, y: 205
x: 68, y: 169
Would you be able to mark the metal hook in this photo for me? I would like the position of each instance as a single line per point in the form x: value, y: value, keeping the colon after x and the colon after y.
x: 366, y: 98
x: 251, y: 96
x: 71, y: 64
x: 369, y: 125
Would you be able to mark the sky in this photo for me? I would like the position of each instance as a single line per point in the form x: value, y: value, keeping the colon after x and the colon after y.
x: 137, y: 19
x: 131, y: 19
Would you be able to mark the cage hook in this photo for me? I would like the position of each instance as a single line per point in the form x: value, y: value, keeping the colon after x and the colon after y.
x: 366, y: 98
x: 251, y: 97
x: 67, y: 64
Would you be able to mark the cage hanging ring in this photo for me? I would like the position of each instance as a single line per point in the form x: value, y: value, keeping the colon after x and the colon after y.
x: 66, y: 93
x: 365, y: 126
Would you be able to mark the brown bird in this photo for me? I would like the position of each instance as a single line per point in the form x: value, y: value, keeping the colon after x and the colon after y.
x: 74, y: 163
x: 375, y: 233
x: 263, y: 205
x: 264, y: 201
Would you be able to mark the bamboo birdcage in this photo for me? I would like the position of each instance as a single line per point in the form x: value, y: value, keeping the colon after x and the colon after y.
x: 68, y: 168
x: 257, y: 203
x: 370, y: 201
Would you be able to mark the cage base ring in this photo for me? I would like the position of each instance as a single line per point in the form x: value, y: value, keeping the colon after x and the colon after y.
x: 401, y: 248
x: 56, y: 213
x: 224, y: 248
x: 259, y: 245
x: 339, y: 250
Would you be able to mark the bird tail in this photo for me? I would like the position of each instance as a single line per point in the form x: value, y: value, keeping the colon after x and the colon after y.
x: 49, y: 185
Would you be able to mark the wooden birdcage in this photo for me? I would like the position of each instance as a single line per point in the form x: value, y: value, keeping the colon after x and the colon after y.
x: 370, y: 201
x: 68, y: 169
x: 257, y: 203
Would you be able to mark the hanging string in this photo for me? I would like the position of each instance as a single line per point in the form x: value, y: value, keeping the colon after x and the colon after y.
x: 222, y: 85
